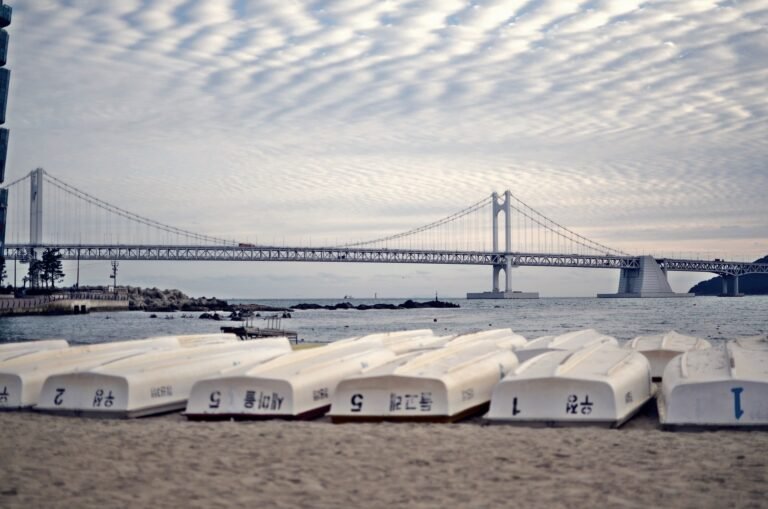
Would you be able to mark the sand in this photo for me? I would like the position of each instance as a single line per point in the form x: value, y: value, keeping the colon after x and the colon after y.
x: 51, y: 461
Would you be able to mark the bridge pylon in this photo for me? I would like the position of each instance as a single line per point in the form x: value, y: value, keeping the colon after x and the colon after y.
x: 505, y: 261
x: 648, y: 280
x: 730, y: 285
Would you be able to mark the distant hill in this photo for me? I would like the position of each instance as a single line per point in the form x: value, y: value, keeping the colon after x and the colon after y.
x: 751, y: 284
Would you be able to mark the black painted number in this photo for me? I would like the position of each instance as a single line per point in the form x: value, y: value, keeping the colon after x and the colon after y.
x: 215, y: 399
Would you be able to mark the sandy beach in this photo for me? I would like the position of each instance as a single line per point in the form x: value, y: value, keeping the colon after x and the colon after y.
x: 51, y: 461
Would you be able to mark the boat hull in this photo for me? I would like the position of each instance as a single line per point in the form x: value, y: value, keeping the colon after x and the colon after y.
x: 661, y: 349
x: 717, y: 388
x: 601, y: 386
x: 20, y: 388
x: 658, y: 359
x: 734, y: 404
x: 564, y: 402
x: 10, y: 351
x: 441, y: 385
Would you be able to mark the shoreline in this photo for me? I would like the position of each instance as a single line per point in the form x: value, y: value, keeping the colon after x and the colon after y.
x: 166, y: 461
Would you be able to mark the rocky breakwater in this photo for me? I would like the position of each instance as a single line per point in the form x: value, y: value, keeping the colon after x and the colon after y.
x: 167, y: 301
x: 409, y: 304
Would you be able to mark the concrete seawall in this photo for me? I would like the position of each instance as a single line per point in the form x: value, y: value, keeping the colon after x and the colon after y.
x: 62, y: 304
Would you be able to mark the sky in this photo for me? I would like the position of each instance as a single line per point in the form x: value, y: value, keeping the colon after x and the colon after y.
x: 641, y: 125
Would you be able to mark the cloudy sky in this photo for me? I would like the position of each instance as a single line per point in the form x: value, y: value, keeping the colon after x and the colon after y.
x: 641, y: 125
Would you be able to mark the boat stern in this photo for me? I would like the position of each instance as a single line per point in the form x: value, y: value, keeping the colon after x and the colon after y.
x: 390, y: 398
x: 553, y: 402
x: 11, y: 392
x: 725, y: 403
x: 240, y: 397
x: 85, y: 394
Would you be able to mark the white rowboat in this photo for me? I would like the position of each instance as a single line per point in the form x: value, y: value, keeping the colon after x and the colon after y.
x: 504, y: 338
x: 570, y: 341
x: 716, y: 388
x: 600, y: 385
x: 13, y: 350
x: 659, y: 349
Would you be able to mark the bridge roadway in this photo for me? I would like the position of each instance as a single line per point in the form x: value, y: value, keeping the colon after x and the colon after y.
x: 368, y: 255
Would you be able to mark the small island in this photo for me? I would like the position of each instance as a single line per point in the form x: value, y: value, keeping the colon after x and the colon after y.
x: 408, y: 304
x: 749, y: 284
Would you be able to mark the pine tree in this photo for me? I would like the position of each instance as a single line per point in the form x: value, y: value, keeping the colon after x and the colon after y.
x: 34, y: 273
x: 52, y: 270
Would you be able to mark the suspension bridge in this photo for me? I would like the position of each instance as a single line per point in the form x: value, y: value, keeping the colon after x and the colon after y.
x: 44, y: 212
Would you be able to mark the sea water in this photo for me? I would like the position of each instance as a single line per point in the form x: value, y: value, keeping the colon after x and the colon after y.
x: 713, y: 318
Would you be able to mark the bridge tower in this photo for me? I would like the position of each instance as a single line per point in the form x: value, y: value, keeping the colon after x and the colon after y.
x: 36, y: 207
x: 35, y: 218
x: 504, y: 262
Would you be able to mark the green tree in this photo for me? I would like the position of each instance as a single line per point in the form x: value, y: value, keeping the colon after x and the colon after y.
x: 34, y: 271
x: 52, y: 270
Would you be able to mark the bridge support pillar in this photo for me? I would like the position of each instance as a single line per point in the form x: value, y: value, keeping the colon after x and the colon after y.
x: 731, y: 286
x: 648, y: 280
x: 507, y: 268
x: 495, y: 280
x: 506, y: 207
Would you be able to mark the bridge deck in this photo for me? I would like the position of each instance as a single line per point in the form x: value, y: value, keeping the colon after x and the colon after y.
x: 367, y: 255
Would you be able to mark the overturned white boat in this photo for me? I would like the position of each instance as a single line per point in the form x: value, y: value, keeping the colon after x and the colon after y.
x: 152, y: 382
x: 599, y: 385
x: 22, y: 377
x: 570, y: 341
x: 718, y: 387
x: 400, y: 341
x: 659, y: 349
x: 13, y: 350
x: 504, y: 338
x: 441, y: 385
x: 299, y: 385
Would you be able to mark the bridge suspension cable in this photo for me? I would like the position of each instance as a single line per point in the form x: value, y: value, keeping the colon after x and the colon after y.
x: 17, y: 181
x: 89, y: 198
x: 427, y: 227
x: 470, y: 229
x: 567, y: 234
x: 85, y: 218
